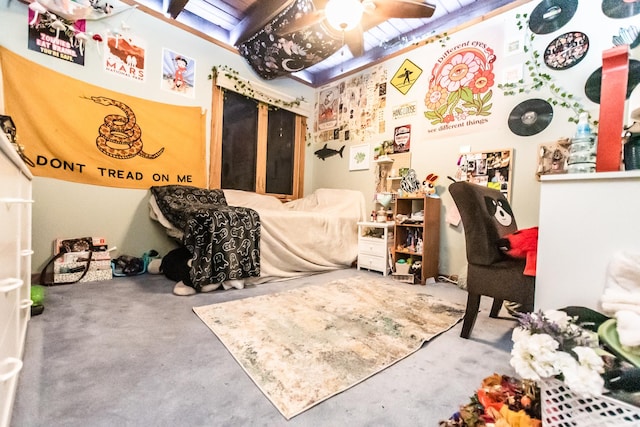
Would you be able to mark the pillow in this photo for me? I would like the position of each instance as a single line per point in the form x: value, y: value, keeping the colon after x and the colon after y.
x: 522, y: 244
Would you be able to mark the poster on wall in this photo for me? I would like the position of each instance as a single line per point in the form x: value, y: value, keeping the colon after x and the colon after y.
x: 328, y: 100
x: 125, y: 56
x: 359, y: 157
x: 459, y: 97
x: 101, y: 137
x: 178, y: 73
x: 57, y: 37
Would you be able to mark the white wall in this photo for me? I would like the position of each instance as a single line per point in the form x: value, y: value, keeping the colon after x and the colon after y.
x: 438, y: 152
x: 65, y: 209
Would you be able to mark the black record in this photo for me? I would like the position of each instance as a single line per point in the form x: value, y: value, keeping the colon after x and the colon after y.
x: 619, y: 9
x: 551, y: 15
x: 593, y: 86
x: 530, y: 117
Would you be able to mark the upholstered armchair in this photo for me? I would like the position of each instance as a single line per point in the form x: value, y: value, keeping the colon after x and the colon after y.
x: 486, y: 217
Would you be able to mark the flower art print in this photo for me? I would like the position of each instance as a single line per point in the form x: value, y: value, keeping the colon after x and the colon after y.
x: 460, y: 92
x: 551, y: 344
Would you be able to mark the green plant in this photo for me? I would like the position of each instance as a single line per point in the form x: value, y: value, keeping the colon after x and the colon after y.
x: 538, y: 79
x: 245, y: 88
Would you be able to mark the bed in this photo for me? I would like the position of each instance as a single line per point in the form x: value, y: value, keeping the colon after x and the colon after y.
x: 278, y: 240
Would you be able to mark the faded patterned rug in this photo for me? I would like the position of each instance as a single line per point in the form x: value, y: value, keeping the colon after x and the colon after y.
x: 305, y: 345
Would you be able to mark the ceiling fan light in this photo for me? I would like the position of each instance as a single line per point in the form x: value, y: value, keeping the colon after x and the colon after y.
x: 343, y: 15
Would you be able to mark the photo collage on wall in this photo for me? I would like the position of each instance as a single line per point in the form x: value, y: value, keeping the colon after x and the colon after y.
x: 491, y: 169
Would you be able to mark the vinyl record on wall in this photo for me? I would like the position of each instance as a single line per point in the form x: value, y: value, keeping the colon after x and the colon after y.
x: 530, y: 117
x: 551, y: 15
x: 619, y: 9
x: 566, y: 50
x: 593, y: 86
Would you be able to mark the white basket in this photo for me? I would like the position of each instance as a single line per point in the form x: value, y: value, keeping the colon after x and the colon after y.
x: 561, y: 407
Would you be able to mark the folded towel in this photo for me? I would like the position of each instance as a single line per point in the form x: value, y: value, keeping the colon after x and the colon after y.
x: 621, y: 296
x: 628, y: 325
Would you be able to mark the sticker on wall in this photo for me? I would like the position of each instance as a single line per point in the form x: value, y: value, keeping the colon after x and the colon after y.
x: 57, y: 37
x: 406, y: 76
x: 178, y: 73
x: 125, y: 56
x: 405, y: 110
x: 402, y: 139
x: 460, y: 94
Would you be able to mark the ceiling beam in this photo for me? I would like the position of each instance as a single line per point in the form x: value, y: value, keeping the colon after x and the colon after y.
x: 175, y: 7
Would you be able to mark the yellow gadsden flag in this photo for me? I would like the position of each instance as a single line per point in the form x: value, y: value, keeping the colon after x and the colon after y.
x: 83, y: 133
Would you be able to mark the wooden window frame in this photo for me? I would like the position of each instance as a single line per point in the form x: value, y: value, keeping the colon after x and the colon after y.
x: 215, y: 154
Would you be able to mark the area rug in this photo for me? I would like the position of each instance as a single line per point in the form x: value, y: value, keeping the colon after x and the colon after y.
x: 303, y: 346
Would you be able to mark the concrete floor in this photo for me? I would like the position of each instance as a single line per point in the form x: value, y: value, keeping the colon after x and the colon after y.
x: 129, y: 353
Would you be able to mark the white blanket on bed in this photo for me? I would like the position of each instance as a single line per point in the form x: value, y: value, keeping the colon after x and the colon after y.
x: 316, y: 233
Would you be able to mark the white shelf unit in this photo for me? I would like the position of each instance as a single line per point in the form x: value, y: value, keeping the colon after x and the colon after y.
x: 15, y: 270
x: 375, y: 239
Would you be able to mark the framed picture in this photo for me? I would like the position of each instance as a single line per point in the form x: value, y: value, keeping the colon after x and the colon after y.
x: 491, y: 169
x: 359, y: 157
x: 552, y: 157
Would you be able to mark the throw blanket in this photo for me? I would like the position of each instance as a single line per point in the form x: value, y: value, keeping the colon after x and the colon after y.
x: 621, y: 296
x: 223, y: 240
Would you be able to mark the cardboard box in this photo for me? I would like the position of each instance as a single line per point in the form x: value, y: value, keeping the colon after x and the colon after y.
x: 70, y: 267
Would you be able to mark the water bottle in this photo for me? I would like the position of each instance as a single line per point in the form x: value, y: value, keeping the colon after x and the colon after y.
x: 582, y: 151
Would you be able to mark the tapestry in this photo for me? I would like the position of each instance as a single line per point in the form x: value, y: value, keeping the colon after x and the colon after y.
x: 78, y: 132
x: 305, y: 345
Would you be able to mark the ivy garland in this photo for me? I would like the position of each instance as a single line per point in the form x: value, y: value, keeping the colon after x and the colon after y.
x: 244, y: 87
x: 539, y: 79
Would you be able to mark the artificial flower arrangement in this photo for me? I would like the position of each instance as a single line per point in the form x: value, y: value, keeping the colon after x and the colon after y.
x: 551, y: 344
x: 501, y: 401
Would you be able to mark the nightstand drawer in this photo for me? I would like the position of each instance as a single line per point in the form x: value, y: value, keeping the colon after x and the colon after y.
x: 372, y: 247
x: 377, y: 263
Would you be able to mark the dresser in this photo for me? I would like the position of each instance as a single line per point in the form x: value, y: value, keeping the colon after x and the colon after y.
x: 15, y: 270
x: 375, y: 240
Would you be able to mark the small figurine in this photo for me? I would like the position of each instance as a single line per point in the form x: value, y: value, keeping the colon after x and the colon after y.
x: 429, y: 185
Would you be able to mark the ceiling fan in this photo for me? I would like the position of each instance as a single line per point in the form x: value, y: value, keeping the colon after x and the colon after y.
x: 279, y: 37
x: 354, y: 17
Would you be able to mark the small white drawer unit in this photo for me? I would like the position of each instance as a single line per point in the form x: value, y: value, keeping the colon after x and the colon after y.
x: 374, y: 241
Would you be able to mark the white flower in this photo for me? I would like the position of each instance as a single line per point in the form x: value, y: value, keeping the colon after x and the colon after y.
x: 534, y: 356
x: 590, y: 359
x: 583, y: 380
x: 561, y: 318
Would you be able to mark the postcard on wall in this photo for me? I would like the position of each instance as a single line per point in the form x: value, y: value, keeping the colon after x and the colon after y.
x: 359, y: 157
x: 125, y: 56
x: 552, y: 157
x: 178, y: 73
x: 57, y: 37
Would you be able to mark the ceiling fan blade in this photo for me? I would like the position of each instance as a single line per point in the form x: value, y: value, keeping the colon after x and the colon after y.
x: 259, y: 15
x: 403, y: 9
x: 301, y: 23
x: 353, y: 39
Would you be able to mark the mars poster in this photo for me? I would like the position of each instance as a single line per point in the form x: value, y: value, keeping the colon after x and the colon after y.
x: 125, y: 56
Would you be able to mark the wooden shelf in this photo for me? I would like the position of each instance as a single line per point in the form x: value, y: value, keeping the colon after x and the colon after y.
x: 428, y: 231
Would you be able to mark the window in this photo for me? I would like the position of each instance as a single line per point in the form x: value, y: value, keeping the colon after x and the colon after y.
x: 256, y: 147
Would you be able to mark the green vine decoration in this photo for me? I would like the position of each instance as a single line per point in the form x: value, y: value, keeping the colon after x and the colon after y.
x: 244, y: 87
x: 539, y: 79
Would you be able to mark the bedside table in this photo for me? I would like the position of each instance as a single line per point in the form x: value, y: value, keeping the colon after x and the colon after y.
x: 374, y: 241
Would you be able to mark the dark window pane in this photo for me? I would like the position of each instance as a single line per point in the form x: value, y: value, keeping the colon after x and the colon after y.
x: 239, y: 142
x: 280, y: 151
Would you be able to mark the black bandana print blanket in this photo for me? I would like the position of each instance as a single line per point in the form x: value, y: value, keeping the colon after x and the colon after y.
x: 223, y: 240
